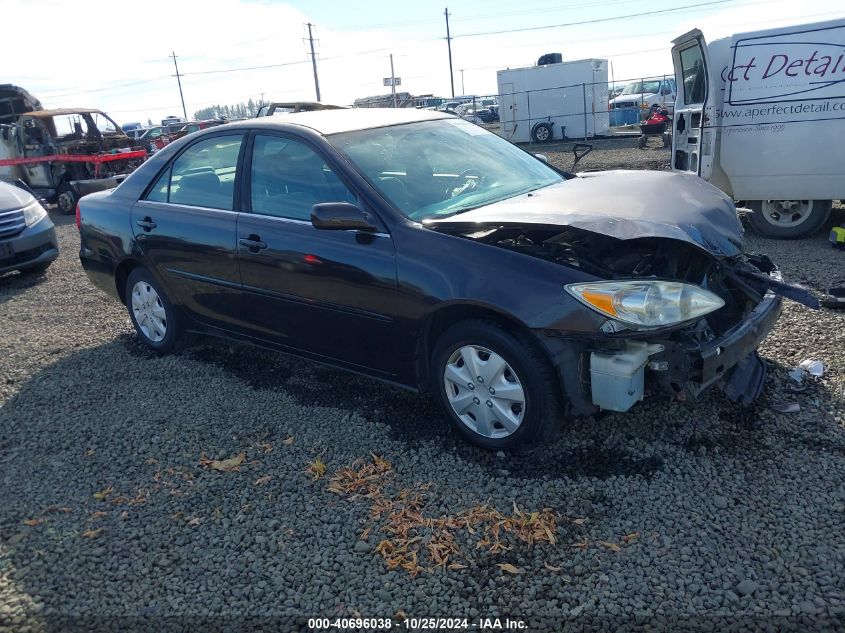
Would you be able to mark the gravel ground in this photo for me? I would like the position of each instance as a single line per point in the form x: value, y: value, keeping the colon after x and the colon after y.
x: 704, y: 516
x: 608, y: 153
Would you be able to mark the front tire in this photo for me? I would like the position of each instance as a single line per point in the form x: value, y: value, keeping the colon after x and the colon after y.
x: 66, y: 199
x: 153, y: 315
x: 496, y: 387
x: 788, y: 219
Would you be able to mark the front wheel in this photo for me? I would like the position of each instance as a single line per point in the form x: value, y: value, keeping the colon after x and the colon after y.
x: 496, y: 387
x: 153, y: 316
x: 66, y: 199
x: 788, y: 219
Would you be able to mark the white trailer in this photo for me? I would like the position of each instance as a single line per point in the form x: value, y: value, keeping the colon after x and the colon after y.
x: 536, y: 103
x: 762, y: 116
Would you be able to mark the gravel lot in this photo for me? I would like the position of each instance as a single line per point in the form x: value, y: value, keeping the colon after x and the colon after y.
x: 703, y: 516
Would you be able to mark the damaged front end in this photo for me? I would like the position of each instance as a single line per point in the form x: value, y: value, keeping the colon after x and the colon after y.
x: 718, y: 311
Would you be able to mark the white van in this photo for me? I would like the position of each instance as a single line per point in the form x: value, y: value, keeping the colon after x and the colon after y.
x: 762, y: 116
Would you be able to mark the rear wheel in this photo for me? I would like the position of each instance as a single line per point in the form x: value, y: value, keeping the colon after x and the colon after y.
x: 497, y: 388
x: 788, y: 219
x: 542, y: 132
x: 153, y: 316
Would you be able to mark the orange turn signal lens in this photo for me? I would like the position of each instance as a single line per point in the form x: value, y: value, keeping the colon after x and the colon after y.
x: 601, y: 301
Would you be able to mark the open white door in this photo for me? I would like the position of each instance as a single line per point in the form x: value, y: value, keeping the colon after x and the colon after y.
x: 507, y: 110
x: 693, y: 122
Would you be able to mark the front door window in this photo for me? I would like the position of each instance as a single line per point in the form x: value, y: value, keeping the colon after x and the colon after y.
x: 288, y: 178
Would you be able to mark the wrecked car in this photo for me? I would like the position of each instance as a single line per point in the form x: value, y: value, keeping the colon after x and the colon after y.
x: 287, y: 107
x: 65, y: 153
x: 422, y: 250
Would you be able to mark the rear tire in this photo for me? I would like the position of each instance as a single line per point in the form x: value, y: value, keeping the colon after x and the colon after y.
x: 156, y: 321
x: 788, y: 219
x: 514, y: 398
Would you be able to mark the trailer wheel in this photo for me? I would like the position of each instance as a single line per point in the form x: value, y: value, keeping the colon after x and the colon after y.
x: 788, y: 219
x: 542, y: 132
x: 66, y: 199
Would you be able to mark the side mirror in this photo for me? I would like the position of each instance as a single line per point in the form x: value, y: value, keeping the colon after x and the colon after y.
x: 542, y: 157
x: 341, y: 216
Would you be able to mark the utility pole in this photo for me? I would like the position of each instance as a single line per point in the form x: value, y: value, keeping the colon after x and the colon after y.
x: 179, y: 81
x: 449, y: 44
x: 314, y: 61
x: 393, y: 82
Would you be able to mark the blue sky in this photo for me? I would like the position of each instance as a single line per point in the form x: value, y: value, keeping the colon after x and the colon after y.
x: 131, y: 77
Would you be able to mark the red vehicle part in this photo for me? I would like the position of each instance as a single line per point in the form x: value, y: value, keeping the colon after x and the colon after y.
x: 656, y: 123
x: 96, y: 159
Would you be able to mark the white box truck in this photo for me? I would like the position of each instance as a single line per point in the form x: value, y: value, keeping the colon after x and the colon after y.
x: 536, y: 103
x: 762, y: 116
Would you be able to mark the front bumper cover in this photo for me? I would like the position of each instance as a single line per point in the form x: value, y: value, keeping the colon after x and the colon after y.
x: 686, y: 369
x: 693, y: 368
x: 35, y: 245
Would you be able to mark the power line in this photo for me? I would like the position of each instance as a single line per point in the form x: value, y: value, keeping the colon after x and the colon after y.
x: 103, y: 89
x: 237, y: 70
x: 598, y: 20
x: 556, y: 9
x: 281, y: 64
x: 205, y: 72
x: 533, y: 45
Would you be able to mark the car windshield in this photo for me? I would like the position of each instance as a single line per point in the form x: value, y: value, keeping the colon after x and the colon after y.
x: 646, y: 87
x: 435, y: 169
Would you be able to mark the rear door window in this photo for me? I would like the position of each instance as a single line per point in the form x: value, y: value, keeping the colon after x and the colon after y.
x: 202, y: 176
x: 693, y: 72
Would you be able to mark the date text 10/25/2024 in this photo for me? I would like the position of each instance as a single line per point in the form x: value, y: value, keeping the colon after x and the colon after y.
x: 416, y: 624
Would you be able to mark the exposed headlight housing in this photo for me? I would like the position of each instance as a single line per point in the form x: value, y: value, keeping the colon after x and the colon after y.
x: 647, y: 304
x: 33, y: 212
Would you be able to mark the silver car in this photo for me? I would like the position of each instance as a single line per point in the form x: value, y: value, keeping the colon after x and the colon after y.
x: 27, y: 236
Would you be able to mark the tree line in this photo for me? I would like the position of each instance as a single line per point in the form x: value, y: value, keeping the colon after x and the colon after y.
x: 237, y: 111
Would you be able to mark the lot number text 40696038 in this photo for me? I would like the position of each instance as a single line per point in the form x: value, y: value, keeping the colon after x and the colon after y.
x: 417, y: 624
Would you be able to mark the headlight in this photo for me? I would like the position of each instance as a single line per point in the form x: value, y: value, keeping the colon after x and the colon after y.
x: 33, y: 212
x: 647, y: 304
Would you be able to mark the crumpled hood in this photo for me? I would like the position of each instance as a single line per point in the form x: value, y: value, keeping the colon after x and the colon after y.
x: 13, y: 198
x: 625, y: 205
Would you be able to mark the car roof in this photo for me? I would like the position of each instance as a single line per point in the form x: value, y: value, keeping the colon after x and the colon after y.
x: 61, y: 111
x: 347, y: 120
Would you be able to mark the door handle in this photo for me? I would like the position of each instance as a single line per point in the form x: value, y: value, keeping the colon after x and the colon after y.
x: 253, y: 243
x: 147, y: 224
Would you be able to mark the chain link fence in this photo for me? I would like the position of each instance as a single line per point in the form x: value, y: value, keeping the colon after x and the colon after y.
x: 552, y: 112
